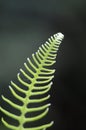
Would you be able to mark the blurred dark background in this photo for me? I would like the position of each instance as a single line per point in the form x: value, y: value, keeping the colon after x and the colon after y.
x: 24, y: 26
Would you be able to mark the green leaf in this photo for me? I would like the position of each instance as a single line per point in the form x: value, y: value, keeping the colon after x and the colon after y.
x: 37, y: 80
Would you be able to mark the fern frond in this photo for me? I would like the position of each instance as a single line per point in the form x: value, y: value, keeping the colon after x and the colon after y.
x: 36, y: 85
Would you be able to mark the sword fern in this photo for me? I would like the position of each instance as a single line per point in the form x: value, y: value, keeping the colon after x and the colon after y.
x: 36, y: 79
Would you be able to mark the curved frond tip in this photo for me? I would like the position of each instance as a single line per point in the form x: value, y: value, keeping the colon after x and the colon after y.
x: 36, y: 78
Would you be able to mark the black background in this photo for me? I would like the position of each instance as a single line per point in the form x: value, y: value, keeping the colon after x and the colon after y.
x: 24, y: 26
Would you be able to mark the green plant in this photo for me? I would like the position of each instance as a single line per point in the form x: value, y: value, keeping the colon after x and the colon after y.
x: 38, y: 75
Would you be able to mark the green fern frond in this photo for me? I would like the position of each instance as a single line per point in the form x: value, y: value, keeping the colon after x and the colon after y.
x: 37, y: 80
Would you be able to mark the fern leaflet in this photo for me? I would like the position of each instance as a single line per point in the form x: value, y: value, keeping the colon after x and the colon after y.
x: 36, y: 78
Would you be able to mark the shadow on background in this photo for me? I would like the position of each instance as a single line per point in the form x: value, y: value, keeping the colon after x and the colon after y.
x: 24, y: 26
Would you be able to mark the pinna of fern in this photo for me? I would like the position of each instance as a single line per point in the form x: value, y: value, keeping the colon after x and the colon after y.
x: 39, y: 76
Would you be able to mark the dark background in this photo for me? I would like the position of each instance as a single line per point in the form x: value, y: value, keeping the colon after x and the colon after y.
x: 24, y: 26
